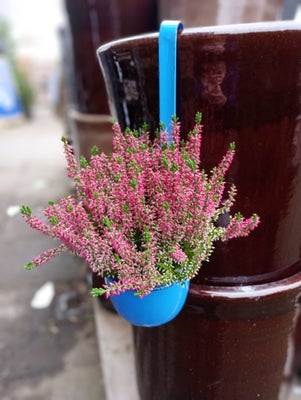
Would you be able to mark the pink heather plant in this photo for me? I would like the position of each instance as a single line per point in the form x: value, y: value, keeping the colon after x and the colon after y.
x: 146, y: 215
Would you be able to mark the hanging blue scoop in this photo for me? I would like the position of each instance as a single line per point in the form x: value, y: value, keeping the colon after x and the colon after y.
x: 168, y: 71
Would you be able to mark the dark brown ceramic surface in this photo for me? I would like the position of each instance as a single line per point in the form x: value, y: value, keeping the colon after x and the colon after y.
x: 92, y: 130
x: 92, y: 23
x: 246, y: 80
x: 227, y: 344
x: 230, y: 342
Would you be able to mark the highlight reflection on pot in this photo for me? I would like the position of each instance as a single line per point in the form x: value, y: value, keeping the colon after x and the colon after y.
x: 212, y: 76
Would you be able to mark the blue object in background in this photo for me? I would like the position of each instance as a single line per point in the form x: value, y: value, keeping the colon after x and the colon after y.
x: 157, y: 308
x: 10, y: 104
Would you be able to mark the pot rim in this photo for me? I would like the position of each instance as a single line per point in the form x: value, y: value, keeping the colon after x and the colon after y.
x: 89, y: 117
x: 287, y: 284
x: 249, y: 27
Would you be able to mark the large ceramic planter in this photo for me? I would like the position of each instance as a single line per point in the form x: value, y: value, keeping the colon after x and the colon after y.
x: 92, y: 23
x: 245, y: 79
x: 228, y: 344
x: 91, y: 130
x: 241, y: 309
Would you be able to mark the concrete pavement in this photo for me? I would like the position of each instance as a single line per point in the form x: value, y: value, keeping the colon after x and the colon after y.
x: 50, y: 353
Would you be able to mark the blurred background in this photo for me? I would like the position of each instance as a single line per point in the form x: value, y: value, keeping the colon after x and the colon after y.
x: 29, y: 42
x: 51, y: 85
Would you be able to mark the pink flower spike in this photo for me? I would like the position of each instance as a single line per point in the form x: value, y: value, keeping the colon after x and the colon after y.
x: 178, y: 255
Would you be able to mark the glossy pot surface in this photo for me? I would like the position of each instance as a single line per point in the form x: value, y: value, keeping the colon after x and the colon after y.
x: 228, y: 343
x: 92, y: 23
x: 245, y: 79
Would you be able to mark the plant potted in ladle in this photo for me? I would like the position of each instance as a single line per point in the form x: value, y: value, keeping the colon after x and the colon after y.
x: 145, y: 218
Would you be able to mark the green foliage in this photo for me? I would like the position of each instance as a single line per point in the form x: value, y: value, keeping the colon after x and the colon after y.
x: 25, y: 210
x: 198, y: 117
x: 174, y: 167
x: 83, y: 162
x: 144, y: 127
x: 126, y: 208
x: 143, y: 146
x: 192, y: 164
x: 29, y: 266
x: 54, y: 220
x: 165, y: 162
x: 138, y: 239
x: 146, y: 236
x: 162, y: 126
x: 95, y: 292
x: 166, y: 205
x: 94, y: 150
x: 107, y: 222
x: 133, y: 183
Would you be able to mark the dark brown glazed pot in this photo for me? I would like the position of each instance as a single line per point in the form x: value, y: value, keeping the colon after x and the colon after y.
x: 245, y: 79
x: 235, y: 337
x: 91, y: 130
x: 228, y: 344
x: 93, y: 22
